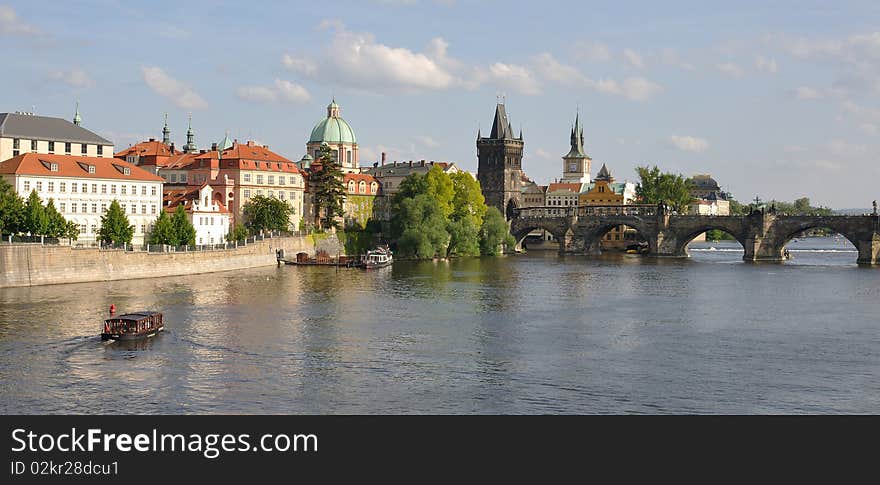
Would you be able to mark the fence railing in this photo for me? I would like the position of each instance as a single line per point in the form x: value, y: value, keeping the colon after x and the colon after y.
x: 588, y: 210
x: 150, y: 248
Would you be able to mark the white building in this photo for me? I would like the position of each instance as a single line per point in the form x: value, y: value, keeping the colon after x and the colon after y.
x: 28, y: 133
x: 84, y: 187
x: 209, y: 218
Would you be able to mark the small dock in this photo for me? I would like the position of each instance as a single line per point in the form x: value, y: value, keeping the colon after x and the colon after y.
x: 320, y: 259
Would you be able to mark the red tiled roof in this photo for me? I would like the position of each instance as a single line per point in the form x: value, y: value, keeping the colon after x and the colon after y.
x: 146, y: 149
x: 173, y: 198
x: 243, y: 156
x: 75, y: 166
x: 564, y: 187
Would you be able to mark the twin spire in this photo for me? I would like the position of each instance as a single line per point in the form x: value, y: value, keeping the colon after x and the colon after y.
x: 501, y: 127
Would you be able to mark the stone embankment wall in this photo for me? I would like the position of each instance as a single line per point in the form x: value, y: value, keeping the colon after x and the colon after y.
x: 34, y: 264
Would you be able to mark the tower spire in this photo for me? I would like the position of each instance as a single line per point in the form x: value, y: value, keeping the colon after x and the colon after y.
x: 77, y: 119
x: 190, y: 137
x: 166, y: 132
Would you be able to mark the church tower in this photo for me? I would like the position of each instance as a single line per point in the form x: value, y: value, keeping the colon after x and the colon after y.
x: 576, y: 163
x: 166, y: 132
x: 500, y: 164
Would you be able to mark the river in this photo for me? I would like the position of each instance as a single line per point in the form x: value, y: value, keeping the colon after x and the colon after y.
x: 534, y: 333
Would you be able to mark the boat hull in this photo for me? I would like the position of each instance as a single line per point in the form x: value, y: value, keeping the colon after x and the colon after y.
x: 132, y: 336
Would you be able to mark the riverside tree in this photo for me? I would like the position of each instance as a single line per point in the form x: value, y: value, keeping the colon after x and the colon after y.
x: 266, y: 214
x: 183, y: 229
x: 495, y: 233
x: 655, y: 187
x: 325, y: 182
x: 56, y: 224
x: 35, y: 220
x: 238, y: 233
x: 163, y: 231
x: 11, y: 210
x: 115, y: 227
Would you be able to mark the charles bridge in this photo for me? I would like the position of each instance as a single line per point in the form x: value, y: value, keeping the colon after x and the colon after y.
x: 763, y: 234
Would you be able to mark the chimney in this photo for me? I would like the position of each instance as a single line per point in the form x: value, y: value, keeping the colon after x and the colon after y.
x: 250, y: 143
x: 214, y: 147
x: 152, y: 139
x: 172, y: 147
x: 376, y: 164
x: 410, y: 163
x: 266, y: 147
x: 383, y: 159
x: 422, y: 163
x: 203, y: 151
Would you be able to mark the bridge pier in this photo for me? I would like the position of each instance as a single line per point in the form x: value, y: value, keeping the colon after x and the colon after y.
x: 757, y: 249
x: 869, y: 250
x: 665, y: 245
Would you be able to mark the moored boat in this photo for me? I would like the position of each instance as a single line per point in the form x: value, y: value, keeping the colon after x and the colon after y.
x: 378, y: 258
x: 133, y: 326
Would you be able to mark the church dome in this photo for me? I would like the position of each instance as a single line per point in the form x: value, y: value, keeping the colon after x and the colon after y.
x: 332, y: 129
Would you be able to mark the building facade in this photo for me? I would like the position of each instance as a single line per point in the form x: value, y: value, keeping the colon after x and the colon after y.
x: 392, y: 174
x: 84, y: 187
x: 499, y: 168
x: 362, y: 191
x: 22, y: 133
x: 210, y: 219
x: 604, y: 191
x: 339, y: 136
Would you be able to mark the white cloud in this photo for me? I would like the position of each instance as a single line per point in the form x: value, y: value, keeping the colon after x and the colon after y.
x: 730, y: 69
x: 764, y: 64
x: 633, y: 58
x: 632, y: 88
x: 806, y: 92
x: 515, y: 77
x: 10, y: 23
x: 281, y: 91
x: 427, y: 141
x: 689, y: 143
x: 553, y: 70
x: 75, y: 77
x: 869, y: 128
x: 670, y: 57
x: 843, y: 148
x: 300, y: 65
x: 591, y: 51
x: 542, y: 154
x: 166, y: 86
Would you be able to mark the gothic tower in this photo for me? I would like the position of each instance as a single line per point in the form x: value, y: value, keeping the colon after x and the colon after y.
x: 576, y: 163
x: 500, y: 164
x: 166, y: 132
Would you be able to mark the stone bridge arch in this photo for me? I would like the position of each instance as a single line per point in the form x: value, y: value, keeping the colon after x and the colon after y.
x: 520, y: 227
x: 591, y: 231
x: 683, y: 230
x: 861, y: 231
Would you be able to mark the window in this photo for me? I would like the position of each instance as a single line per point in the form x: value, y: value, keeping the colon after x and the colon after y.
x: 94, y: 208
x: 172, y: 178
x: 182, y: 177
x: 103, y: 208
x: 124, y: 206
x: 144, y: 209
x: 91, y: 169
x: 271, y: 193
x: 27, y: 185
x: 153, y: 209
x: 153, y: 192
x: 144, y: 190
x: 247, y: 193
x: 94, y: 229
x: 83, y: 148
x: 100, y: 149
x: 351, y: 186
x: 34, y: 146
x: 362, y: 187
x: 73, y: 187
x: 292, y: 195
x: 134, y: 209
x: 94, y: 188
x: 134, y: 190
x: 122, y: 189
x: 62, y: 186
x: 67, y: 148
x: 51, y: 186
x: 83, y: 228
x: 247, y: 177
x: 85, y: 207
x: 39, y: 186
x: 281, y: 194
x: 51, y: 147
x: 281, y: 180
x: 259, y: 192
x: 103, y: 188
x: 73, y: 208
x: 16, y: 143
x: 113, y: 189
x: 271, y: 180
x: 63, y: 207
x: 348, y: 157
x: 143, y: 228
x: 259, y: 180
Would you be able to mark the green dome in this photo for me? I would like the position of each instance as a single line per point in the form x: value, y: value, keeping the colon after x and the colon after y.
x: 332, y: 129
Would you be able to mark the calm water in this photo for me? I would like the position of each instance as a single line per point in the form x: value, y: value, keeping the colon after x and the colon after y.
x: 524, y: 334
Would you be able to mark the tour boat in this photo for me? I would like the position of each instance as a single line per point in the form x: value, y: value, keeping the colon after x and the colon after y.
x: 132, y: 326
x: 378, y: 258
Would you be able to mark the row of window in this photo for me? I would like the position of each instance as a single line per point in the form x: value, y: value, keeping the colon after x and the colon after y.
x: 362, y: 187
x: 16, y: 147
x: 62, y: 207
x: 567, y: 201
x: 270, y: 179
x: 209, y: 221
x: 84, y: 229
x: 75, y: 187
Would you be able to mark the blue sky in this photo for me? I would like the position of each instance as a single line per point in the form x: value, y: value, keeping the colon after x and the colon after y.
x: 773, y: 100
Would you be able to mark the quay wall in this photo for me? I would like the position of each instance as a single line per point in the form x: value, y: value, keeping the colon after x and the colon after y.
x: 35, y: 264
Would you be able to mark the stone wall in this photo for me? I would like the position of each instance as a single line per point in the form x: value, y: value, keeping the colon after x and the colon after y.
x: 34, y: 264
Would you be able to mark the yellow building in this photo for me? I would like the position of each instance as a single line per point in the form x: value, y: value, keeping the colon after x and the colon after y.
x: 604, y: 191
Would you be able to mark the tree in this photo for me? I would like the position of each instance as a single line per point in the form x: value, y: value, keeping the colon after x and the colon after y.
x: 423, y: 227
x: 115, y: 227
x: 325, y: 182
x: 71, y: 231
x: 238, y: 233
x: 184, y: 231
x: 667, y: 188
x: 11, y: 209
x: 163, y: 231
x: 56, y: 224
x: 35, y: 220
x: 439, y: 186
x: 467, y: 199
x: 494, y: 233
x: 266, y: 214
x: 464, y: 237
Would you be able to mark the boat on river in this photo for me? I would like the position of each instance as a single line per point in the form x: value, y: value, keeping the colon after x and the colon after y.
x: 378, y: 258
x: 133, y: 326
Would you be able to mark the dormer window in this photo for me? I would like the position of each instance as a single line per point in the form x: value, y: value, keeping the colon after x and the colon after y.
x: 53, y: 167
x: 91, y: 169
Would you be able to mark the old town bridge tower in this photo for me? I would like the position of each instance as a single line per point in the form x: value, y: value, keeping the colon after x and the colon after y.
x: 500, y: 164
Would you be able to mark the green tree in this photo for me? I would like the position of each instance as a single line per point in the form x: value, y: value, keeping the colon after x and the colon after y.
x: 11, y: 209
x: 184, y: 231
x: 802, y: 205
x: 35, y: 220
x: 327, y: 188
x: 467, y: 200
x: 266, y: 214
x: 464, y: 237
x: 56, y: 224
x: 655, y: 187
x: 440, y: 188
x: 163, y: 231
x: 115, y: 227
x: 71, y: 231
x: 238, y: 233
x: 423, y: 227
x: 494, y: 233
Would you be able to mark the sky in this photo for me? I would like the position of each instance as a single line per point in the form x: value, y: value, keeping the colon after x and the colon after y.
x: 777, y: 100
